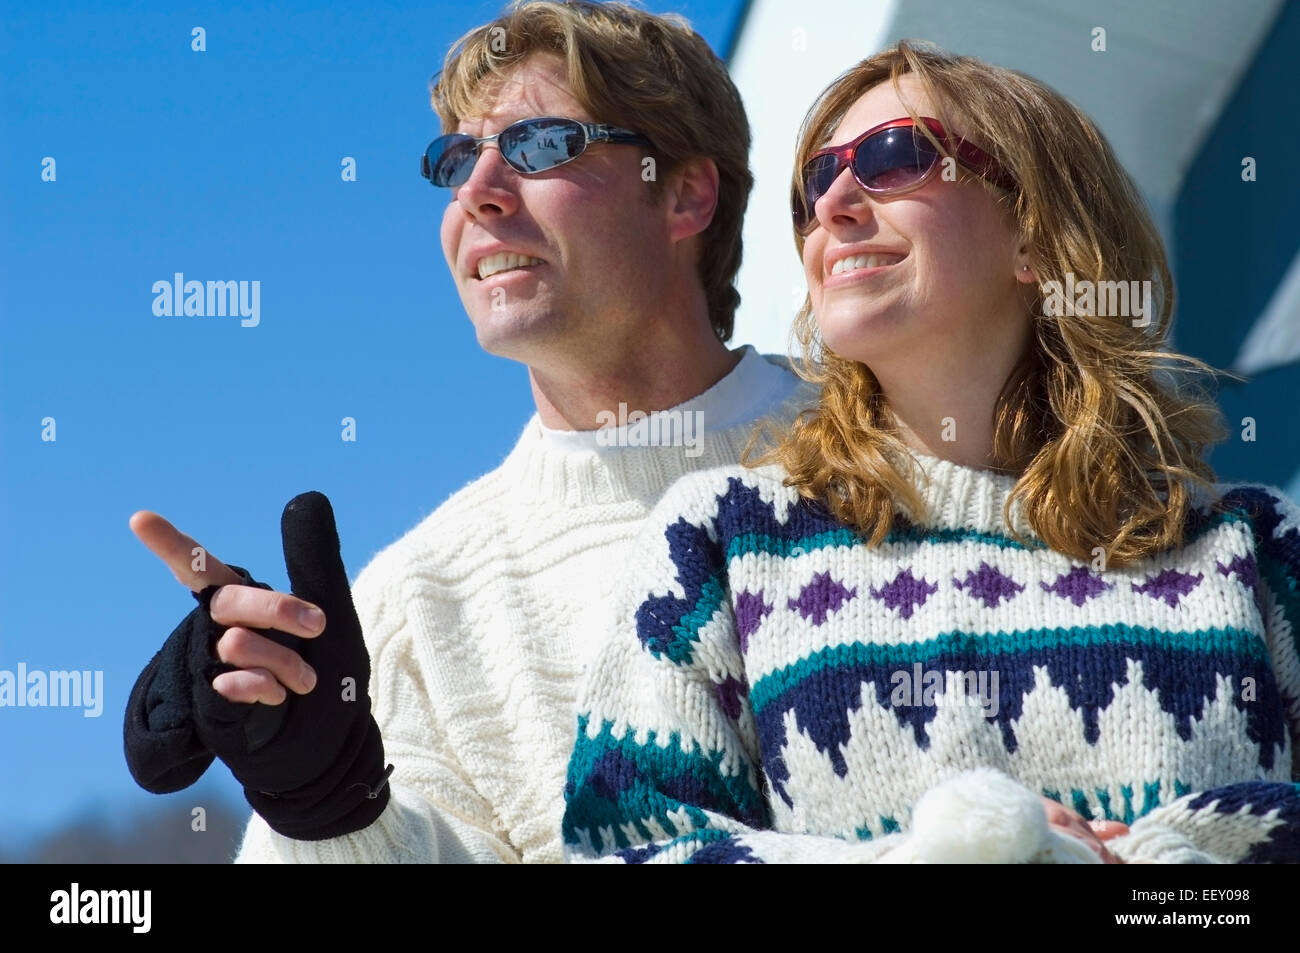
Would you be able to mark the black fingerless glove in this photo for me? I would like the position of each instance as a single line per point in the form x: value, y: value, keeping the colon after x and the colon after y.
x: 312, y: 766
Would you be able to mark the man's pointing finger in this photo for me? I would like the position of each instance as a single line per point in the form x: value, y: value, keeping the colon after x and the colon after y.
x: 192, y: 565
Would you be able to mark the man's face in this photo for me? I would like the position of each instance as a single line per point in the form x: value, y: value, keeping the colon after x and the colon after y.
x: 594, y: 244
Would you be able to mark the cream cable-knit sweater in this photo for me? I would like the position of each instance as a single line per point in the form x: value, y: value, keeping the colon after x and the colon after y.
x: 480, y: 622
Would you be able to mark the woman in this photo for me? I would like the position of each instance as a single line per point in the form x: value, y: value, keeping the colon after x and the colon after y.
x: 990, y: 567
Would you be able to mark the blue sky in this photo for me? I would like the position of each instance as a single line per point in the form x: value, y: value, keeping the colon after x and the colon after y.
x: 222, y: 165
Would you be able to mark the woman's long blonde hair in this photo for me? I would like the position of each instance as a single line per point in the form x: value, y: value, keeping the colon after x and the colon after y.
x: 1100, y: 421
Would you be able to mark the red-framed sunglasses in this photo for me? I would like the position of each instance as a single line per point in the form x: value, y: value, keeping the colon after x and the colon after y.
x: 889, y: 159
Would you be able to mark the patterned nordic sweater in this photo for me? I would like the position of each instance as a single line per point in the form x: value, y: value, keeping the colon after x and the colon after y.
x: 777, y: 691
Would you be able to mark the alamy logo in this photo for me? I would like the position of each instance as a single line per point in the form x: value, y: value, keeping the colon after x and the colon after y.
x: 58, y: 689
x: 213, y: 299
x: 920, y: 688
x: 663, y: 428
x: 103, y: 906
x: 1105, y: 299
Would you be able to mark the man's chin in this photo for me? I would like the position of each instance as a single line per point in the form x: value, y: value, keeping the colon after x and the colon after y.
x: 513, y: 336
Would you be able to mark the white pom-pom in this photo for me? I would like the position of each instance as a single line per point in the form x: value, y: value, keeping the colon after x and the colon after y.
x: 984, y: 817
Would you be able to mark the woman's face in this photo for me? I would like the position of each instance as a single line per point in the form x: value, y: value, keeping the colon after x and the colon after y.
x: 943, y: 282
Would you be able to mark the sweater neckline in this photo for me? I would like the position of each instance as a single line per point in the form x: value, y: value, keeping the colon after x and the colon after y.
x: 755, y: 381
x: 541, y: 469
x: 957, y: 496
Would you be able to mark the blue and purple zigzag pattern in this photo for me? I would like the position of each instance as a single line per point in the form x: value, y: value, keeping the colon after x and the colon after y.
x: 1183, y: 669
x: 716, y: 847
x: 1279, y: 552
x: 1088, y: 663
x: 669, y: 625
x: 1260, y: 799
x: 613, y: 781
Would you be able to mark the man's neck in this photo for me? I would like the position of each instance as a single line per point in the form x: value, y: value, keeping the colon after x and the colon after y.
x: 579, y: 395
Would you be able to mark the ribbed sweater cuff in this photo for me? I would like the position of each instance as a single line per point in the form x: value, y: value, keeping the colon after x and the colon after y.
x: 385, y: 841
x: 1157, y: 844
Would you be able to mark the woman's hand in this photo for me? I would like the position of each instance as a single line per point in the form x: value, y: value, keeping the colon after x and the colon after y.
x: 1065, y: 821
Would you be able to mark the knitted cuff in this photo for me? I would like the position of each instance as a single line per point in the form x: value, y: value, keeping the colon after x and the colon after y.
x: 1156, y: 844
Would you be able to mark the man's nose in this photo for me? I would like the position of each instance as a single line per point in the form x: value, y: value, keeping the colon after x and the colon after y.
x: 490, y: 189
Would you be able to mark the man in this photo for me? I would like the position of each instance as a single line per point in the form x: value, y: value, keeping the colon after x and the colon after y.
x: 610, y: 276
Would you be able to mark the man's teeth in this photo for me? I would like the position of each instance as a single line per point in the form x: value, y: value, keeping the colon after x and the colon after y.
x: 854, y: 262
x: 503, y: 261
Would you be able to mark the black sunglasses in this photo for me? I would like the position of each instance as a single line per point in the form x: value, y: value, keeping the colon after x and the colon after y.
x: 527, y: 146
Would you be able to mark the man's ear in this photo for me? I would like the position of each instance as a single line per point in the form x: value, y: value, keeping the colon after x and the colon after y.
x: 692, y: 198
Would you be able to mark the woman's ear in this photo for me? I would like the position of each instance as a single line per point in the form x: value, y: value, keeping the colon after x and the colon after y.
x: 1025, y: 271
x: 692, y: 198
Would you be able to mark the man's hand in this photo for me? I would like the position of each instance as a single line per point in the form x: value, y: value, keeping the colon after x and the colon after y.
x: 267, y: 670
x: 237, y: 681
x: 1065, y: 821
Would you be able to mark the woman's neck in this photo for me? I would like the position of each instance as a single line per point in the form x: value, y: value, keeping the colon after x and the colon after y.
x: 944, y: 404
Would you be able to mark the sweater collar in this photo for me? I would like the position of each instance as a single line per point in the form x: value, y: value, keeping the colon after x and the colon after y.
x: 755, y: 381
x: 544, y: 469
x: 578, y: 472
x: 965, y: 497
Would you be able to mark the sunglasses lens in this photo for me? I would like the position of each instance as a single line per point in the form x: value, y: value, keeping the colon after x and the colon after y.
x: 541, y: 144
x: 450, y: 160
x: 802, y: 213
x: 894, y: 159
x: 818, y: 176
